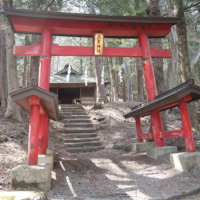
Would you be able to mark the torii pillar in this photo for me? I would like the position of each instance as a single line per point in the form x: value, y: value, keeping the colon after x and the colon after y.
x: 44, y: 77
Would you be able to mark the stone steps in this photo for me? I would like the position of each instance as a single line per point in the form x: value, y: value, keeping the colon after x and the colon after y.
x: 75, y: 116
x: 76, y: 120
x: 79, y: 140
x: 84, y: 149
x: 71, y: 106
x: 79, y: 135
x: 72, y: 110
x: 83, y: 144
x: 78, y: 130
x: 74, y: 113
x: 83, y: 125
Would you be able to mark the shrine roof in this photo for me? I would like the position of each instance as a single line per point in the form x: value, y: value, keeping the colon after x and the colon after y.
x: 74, y: 78
x: 84, y: 25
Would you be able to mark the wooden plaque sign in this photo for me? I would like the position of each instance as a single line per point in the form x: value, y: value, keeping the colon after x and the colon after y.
x: 98, y: 43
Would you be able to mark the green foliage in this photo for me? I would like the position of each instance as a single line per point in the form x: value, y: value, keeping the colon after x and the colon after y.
x: 42, y: 5
x: 19, y: 135
x: 122, y: 7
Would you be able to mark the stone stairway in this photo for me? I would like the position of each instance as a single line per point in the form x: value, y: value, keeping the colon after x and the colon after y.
x: 79, y: 134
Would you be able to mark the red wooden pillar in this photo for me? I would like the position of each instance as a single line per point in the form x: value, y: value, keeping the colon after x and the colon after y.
x: 33, y: 130
x: 139, y: 128
x: 187, y: 129
x: 44, y: 77
x: 157, y: 127
x: 151, y: 87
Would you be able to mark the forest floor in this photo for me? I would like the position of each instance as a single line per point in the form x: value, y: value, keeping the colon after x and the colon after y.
x: 107, y: 173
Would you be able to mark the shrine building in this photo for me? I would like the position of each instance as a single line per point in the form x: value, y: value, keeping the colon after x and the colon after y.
x: 68, y: 91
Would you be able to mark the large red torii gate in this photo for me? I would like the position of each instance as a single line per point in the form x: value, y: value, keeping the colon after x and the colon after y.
x: 82, y: 25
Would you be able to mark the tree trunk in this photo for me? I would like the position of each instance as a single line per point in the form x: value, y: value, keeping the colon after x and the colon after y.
x: 184, y: 60
x: 127, y: 79
x: 113, y: 80
x: 13, y: 110
x: 35, y: 60
x: 153, y: 10
x: 28, y: 73
x: 123, y: 86
x: 101, y: 94
x: 2, y: 62
x: 172, y: 70
x: 25, y: 72
x: 140, y: 78
x: 195, y: 58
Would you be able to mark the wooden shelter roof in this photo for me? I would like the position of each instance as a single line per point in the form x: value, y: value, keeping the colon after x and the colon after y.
x: 168, y: 97
x: 85, y: 25
x: 48, y: 100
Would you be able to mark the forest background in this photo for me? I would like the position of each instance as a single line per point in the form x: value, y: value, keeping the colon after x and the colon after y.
x: 184, y: 41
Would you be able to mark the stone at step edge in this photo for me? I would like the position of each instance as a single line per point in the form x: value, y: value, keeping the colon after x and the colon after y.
x: 79, y: 140
x: 82, y: 144
x: 73, y: 110
x: 84, y: 149
x: 75, y: 116
x: 78, y: 125
x: 74, y: 113
x: 75, y: 120
x: 78, y: 130
x: 79, y: 135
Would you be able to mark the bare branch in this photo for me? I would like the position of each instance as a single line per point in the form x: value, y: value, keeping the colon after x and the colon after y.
x: 192, y: 6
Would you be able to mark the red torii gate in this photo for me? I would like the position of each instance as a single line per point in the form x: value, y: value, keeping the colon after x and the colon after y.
x: 82, y: 25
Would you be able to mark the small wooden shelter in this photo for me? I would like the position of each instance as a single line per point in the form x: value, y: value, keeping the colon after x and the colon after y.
x: 75, y: 88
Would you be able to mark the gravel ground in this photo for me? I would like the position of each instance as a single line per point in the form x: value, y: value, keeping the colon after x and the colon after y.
x: 107, y: 173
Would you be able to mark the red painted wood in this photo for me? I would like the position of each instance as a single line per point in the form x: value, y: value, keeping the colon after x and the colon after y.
x: 139, y: 128
x: 34, y: 130
x: 147, y: 67
x: 171, y: 134
x: 43, y: 135
x: 157, y: 127
x: 89, y: 51
x: 186, y: 98
x: 44, y: 77
x: 151, y: 88
x: 45, y: 60
x: 84, y: 28
x: 147, y: 136
x: 189, y: 141
x: 27, y: 50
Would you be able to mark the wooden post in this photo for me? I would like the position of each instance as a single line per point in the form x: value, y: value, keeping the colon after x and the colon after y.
x: 151, y: 88
x: 44, y: 77
x: 187, y: 129
x: 34, y: 130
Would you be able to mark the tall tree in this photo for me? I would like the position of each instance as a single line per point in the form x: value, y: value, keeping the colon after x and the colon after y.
x: 35, y: 60
x: 101, y: 94
x: 184, y: 60
x: 112, y: 77
x: 13, y: 110
x: 2, y: 63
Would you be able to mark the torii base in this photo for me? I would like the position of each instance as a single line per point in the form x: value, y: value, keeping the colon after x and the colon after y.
x: 186, y: 161
x: 160, y: 151
x: 42, y: 160
x: 141, y: 146
x: 31, y: 177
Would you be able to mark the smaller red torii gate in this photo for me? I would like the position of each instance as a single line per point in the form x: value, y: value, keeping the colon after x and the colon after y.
x: 82, y: 25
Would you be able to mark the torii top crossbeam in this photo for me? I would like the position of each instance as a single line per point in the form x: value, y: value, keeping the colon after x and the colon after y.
x: 65, y: 24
